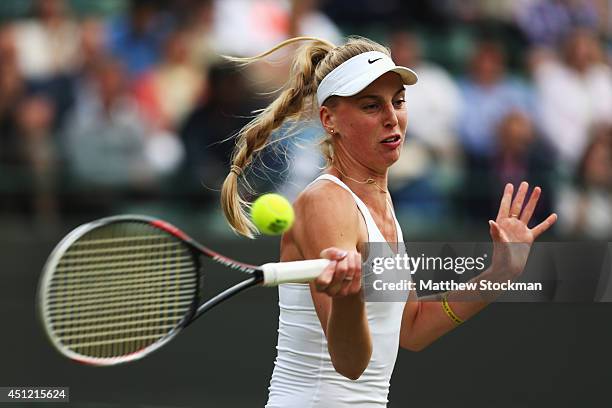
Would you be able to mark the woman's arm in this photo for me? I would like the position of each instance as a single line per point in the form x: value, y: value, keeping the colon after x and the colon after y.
x: 425, y: 321
x: 328, y: 225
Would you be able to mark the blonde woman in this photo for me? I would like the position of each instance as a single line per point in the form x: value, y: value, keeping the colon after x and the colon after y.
x: 334, y: 348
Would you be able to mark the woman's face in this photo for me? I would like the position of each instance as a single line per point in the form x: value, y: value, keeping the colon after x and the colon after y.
x: 598, y: 167
x: 370, y: 126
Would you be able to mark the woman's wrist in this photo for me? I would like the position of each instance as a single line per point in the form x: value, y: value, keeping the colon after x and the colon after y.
x: 349, y: 301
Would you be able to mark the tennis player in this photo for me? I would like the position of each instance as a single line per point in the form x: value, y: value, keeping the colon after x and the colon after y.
x: 334, y: 348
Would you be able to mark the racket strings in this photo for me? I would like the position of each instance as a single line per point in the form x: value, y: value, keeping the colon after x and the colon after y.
x: 114, y: 283
x: 132, y: 264
x: 119, y: 289
x: 120, y: 305
x: 78, y: 254
x: 100, y: 295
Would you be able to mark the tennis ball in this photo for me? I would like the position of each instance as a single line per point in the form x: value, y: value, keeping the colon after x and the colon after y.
x: 272, y: 214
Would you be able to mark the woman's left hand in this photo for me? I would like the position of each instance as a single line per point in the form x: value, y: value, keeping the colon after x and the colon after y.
x: 512, y: 237
x: 511, y: 224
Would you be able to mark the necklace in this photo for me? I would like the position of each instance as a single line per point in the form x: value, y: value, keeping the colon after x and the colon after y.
x: 368, y: 181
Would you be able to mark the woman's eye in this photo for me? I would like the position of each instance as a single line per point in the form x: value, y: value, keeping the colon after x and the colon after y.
x: 400, y: 102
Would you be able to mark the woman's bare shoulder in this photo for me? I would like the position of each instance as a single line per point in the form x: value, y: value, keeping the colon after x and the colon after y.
x: 325, y: 213
x: 325, y: 199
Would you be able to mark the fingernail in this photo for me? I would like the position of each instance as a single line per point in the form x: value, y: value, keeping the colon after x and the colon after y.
x: 491, y: 223
x: 342, y: 254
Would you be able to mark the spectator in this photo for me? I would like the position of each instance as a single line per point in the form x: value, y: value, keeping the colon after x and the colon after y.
x: 48, y: 43
x: 137, y: 38
x: 574, y: 93
x: 263, y: 22
x: 488, y: 94
x: 104, y: 139
x: 585, y: 206
x: 267, y: 22
x: 171, y: 89
x: 546, y: 22
x: 208, y: 128
x: 28, y: 163
x: 520, y: 154
x: 48, y: 53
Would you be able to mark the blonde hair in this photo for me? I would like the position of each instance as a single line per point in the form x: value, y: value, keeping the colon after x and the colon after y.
x: 296, y: 101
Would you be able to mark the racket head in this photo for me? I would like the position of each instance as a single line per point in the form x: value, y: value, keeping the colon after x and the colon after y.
x: 118, y: 288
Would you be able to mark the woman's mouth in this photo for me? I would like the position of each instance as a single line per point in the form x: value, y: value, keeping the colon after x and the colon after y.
x: 392, y: 141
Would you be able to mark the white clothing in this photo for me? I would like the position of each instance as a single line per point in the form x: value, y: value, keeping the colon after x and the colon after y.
x: 304, y: 376
x: 43, y: 51
x: 425, y: 103
x: 265, y: 23
x: 571, y: 103
x: 588, y: 213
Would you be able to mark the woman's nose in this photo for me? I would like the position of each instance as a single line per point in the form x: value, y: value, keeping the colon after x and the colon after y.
x: 390, y: 115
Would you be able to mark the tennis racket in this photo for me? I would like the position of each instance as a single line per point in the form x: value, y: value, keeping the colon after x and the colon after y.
x: 118, y: 288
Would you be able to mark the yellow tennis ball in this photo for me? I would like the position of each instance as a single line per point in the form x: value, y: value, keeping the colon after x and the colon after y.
x: 272, y: 214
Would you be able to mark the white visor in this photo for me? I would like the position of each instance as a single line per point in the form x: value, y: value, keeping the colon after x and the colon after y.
x: 353, y: 75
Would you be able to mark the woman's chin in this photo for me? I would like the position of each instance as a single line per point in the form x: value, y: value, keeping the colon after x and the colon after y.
x: 392, y: 157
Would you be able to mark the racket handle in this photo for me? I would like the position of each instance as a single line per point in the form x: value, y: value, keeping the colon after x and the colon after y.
x: 276, y: 273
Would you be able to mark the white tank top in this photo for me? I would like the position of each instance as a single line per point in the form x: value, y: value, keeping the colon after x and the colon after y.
x: 303, y: 375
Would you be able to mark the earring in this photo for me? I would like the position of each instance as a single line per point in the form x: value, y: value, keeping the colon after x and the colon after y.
x: 331, y: 131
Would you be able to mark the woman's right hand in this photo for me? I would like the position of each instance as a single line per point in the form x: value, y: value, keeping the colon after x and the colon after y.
x: 342, y: 277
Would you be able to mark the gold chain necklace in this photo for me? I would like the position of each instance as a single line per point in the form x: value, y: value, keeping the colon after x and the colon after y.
x: 368, y: 181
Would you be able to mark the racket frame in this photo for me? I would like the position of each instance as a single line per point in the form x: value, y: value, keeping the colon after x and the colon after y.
x: 270, y: 274
x: 196, y: 309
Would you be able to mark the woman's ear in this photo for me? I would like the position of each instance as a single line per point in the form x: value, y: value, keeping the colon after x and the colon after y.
x: 327, y: 119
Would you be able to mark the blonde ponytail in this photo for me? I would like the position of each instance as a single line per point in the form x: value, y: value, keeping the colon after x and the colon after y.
x: 255, y: 135
x: 311, y: 64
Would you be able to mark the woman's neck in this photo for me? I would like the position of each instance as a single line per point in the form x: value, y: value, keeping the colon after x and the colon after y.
x: 368, y: 185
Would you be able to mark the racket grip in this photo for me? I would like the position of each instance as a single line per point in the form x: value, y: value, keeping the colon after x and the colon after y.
x: 276, y: 273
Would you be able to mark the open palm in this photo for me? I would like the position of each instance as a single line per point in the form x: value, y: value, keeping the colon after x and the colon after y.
x: 512, y: 237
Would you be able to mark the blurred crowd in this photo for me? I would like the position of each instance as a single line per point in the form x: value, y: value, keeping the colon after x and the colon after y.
x: 135, y: 104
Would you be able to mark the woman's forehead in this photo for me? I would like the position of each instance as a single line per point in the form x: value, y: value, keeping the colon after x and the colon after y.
x: 390, y: 82
x: 387, y: 85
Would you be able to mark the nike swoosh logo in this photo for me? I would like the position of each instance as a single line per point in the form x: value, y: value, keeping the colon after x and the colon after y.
x: 371, y: 61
